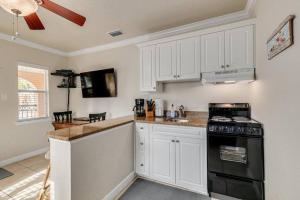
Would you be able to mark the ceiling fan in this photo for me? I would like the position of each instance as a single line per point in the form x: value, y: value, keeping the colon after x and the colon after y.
x: 28, y: 8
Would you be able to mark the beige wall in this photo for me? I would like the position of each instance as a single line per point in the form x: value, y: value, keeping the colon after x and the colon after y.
x: 16, y: 139
x: 125, y: 61
x: 275, y: 99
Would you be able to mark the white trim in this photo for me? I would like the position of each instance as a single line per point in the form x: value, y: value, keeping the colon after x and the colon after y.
x: 215, y: 21
x: 33, y: 121
x: 124, y: 184
x: 199, y: 32
x: 34, y: 45
x: 23, y: 156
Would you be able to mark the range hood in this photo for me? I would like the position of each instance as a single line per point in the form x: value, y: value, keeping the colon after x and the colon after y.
x: 229, y: 76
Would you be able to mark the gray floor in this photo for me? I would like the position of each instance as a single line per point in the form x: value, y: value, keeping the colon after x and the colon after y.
x: 146, y: 190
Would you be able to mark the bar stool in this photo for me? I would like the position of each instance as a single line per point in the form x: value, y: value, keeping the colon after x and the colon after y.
x: 97, y: 117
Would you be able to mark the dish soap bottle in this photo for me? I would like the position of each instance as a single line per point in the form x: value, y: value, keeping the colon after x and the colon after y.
x: 172, y: 111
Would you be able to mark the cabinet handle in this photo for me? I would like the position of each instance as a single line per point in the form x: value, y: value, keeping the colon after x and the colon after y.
x: 222, y: 66
x: 154, y: 88
x: 174, y: 76
x: 141, y: 143
x: 142, y: 165
x: 173, y: 140
x: 141, y: 128
x: 227, y: 65
x: 177, y: 141
x: 178, y: 76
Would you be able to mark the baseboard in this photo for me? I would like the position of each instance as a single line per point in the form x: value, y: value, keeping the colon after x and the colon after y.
x: 121, y: 187
x: 23, y: 156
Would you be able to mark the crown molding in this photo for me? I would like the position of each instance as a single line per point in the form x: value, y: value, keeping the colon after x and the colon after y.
x: 208, y: 23
x: 34, y: 45
x: 203, y: 24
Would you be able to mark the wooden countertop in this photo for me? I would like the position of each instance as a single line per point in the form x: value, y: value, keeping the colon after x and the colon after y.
x: 76, y: 132
x: 195, y: 119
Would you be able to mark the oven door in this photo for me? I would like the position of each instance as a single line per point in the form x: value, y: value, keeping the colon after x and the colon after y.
x: 236, y: 156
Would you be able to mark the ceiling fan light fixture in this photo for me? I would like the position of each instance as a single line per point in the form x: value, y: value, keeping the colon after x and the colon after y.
x: 25, y: 7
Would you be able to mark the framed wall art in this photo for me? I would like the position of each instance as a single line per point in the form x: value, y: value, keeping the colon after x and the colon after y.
x: 282, y: 37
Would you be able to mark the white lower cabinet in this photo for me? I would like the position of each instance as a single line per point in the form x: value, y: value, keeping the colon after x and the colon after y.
x: 191, y: 164
x: 142, y: 149
x: 176, y: 155
x: 162, y: 158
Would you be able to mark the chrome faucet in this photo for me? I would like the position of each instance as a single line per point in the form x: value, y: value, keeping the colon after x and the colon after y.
x: 181, y: 112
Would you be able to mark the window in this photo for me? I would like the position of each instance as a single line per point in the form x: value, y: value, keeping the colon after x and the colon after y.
x: 32, y: 93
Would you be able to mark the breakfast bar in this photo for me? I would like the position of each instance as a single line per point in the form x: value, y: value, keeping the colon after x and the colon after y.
x: 98, y: 156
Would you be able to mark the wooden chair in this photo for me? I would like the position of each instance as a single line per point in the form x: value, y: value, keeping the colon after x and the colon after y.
x: 62, y: 116
x: 97, y: 117
x: 45, y: 181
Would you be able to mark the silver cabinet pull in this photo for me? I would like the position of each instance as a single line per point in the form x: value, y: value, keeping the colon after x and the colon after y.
x: 177, y: 141
x: 178, y: 76
x: 174, y: 76
x: 142, y: 128
x: 141, y: 143
x: 142, y: 165
x: 222, y: 66
x: 173, y: 140
x: 154, y: 88
x: 227, y: 65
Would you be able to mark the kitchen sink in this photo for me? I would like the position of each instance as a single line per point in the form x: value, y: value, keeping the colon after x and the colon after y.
x: 178, y: 120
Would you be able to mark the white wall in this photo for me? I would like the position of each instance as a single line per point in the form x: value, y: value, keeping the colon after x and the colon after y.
x: 125, y: 60
x: 275, y: 99
x: 16, y: 139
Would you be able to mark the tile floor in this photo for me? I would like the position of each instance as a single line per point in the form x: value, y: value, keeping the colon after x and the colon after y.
x: 147, y: 190
x: 27, y: 180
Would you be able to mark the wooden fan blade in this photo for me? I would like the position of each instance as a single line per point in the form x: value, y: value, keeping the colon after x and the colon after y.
x: 33, y: 21
x: 64, y: 12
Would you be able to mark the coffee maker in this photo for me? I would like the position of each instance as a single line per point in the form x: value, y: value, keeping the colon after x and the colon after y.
x: 139, y: 108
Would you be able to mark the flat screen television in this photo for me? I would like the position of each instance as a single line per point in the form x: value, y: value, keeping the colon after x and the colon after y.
x: 101, y: 83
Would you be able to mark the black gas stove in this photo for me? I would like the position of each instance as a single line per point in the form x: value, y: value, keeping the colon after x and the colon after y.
x: 235, y: 152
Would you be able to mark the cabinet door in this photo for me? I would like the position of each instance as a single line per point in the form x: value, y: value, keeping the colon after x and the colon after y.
x: 212, y: 52
x: 239, y: 50
x: 142, y: 149
x: 188, y: 59
x: 166, y: 61
x: 162, y: 158
x: 147, y: 69
x: 191, y: 164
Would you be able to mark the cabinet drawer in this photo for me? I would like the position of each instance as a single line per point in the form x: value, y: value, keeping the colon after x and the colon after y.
x: 141, y: 127
x: 182, y: 130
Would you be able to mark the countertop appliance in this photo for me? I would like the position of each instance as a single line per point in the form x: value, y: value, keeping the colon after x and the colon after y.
x: 139, y: 108
x: 101, y: 83
x: 235, y: 154
x: 159, y: 107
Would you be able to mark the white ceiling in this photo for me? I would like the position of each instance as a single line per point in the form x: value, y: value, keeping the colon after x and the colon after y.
x: 133, y: 17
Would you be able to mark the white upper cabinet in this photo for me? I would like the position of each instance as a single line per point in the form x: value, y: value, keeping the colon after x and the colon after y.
x: 147, y: 69
x: 188, y: 59
x: 239, y: 48
x: 166, y: 61
x: 226, y: 50
x: 185, y: 57
x: 212, y: 52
